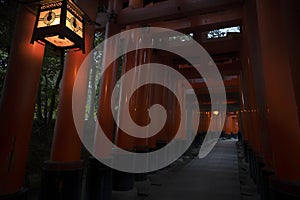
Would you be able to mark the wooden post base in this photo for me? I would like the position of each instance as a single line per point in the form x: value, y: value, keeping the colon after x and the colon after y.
x: 98, y: 181
x: 62, y: 180
x: 20, y: 195
x: 280, y: 189
x: 122, y: 181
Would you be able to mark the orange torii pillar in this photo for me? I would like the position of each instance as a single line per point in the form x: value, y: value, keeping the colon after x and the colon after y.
x: 167, y: 100
x: 195, y: 123
x: 228, y: 126
x: 141, y: 116
x: 131, y: 60
x: 172, y: 119
x: 250, y: 122
x: 247, y: 98
x: 155, y: 97
x: 124, y: 182
x: 203, y: 127
x: 99, y: 176
x: 252, y: 60
x: 140, y: 98
x: 277, y: 21
x: 169, y: 130
x: 123, y: 140
x: 261, y: 160
x: 206, y: 122
x: 62, y: 173
x: 252, y: 93
x: 235, y: 126
x: 181, y: 109
x: 17, y: 106
x: 162, y: 137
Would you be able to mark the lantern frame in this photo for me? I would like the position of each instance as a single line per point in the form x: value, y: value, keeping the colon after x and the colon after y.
x: 56, y: 32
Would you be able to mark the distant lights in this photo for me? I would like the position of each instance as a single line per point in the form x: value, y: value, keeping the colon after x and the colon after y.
x: 216, y: 112
x: 249, y: 111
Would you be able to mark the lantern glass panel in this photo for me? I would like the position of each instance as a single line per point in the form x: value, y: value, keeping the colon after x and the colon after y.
x: 49, y: 18
x: 74, y: 24
x: 59, y: 42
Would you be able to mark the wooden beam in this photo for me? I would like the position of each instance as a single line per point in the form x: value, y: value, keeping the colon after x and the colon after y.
x: 225, y: 69
x: 173, y: 9
x: 231, y: 43
x: 214, y: 20
x: 227, y: 83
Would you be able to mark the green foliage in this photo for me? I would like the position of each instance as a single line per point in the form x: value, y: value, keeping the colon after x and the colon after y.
x: 7, y: 20
x: 99, y: 37
x: 51, y: 76
x: 52, y: 69
x: 94, y: 84
x: 8, y: 12
x: 3, y: 66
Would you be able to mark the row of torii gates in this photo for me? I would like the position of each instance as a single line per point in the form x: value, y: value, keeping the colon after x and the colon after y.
x: 267, y: 87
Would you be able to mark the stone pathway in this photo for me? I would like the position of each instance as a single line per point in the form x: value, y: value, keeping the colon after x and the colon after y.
x: 215, y: 177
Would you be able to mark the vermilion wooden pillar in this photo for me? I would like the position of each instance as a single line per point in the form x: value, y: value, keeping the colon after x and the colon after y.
x: 155, y: 95
x: 131, y: 60
x: 108, y: 80
x: 141, y: 115
x: 245, y: 124
x: 181, y: 108
x: 162, y: 137
x: 62, y: 174
x: 228, y: 125
x: 203, y: 126
x: 283, y: 118
x: 142, y: 100
x: 167, y: 101
x: 123, y: 140
x: 66, y: 146
x: 125, y: 181
x: 254, y: 101
x: 249, y: 98
x: 204, y: 122
x: 178, y: 110
x: 235, y: 124
x: 260, y: 159
x: 17, y: 104
x: 99, y: 176
x: 253, y: 57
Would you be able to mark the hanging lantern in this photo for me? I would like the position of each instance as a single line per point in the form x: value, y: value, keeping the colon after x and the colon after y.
x: 60, y: 24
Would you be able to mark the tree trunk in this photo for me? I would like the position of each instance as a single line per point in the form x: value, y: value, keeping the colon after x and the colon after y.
x: 39, y: 105
x: 55, y: 89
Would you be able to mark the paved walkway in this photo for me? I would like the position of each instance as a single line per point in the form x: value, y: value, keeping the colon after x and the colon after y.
x: 215, y: 177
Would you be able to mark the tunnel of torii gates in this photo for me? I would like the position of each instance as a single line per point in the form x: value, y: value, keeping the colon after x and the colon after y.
x: 259, y: 66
